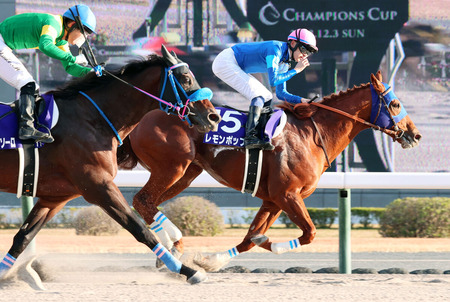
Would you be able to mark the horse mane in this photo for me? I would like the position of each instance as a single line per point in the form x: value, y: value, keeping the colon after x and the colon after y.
x: 305, y: 110
x: 90, y: 81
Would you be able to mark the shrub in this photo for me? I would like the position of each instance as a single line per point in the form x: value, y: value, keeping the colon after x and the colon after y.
x: 94, y: 221
x: 2, y: 220
x: 250, y: 214
x: 286, y: 221
x: 416, y: 217
x: 64, y: 219
x: 367, y: 215
x: 323, y: 218
x: 195, y: 216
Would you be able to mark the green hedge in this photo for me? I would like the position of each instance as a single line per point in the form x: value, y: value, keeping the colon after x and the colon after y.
x: 325, y: 217
x: 417, y: 217
x: 367, y: 216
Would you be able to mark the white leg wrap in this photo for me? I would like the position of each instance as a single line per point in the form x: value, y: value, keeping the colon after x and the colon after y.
x: 283, y: 247
x: 167, y: 232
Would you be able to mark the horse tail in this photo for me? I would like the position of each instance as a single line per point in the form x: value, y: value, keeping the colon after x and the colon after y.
x: 126, y: 158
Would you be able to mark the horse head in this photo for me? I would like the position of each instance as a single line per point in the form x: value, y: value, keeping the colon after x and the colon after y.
x: 185, y: 89
x: 388, y: 112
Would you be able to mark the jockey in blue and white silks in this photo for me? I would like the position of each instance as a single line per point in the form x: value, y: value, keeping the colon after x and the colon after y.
x: 235, y: 65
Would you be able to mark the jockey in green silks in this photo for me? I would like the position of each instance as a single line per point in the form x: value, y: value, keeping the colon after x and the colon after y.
x: 51, y: 34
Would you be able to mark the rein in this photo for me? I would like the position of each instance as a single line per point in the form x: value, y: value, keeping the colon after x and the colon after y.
x: 373, y: 126
x: 172, y: 106
x: 396, y: 134
x: 93, y: 62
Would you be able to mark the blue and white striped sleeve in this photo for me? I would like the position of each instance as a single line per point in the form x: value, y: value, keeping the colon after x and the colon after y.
x: 276, y: 77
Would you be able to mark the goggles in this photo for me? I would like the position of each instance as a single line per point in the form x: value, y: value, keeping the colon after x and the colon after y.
x: 305, y: 51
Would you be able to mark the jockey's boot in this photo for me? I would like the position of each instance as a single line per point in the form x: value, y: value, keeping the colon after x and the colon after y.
x: 251, y: 140
x: 27, y: 130
x: 265, y: 115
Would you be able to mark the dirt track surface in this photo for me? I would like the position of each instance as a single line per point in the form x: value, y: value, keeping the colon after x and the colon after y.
x: 117, y: 268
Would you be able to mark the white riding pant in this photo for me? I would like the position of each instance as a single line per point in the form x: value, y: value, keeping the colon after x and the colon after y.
x: 12, y: 71
x: 226, y: 68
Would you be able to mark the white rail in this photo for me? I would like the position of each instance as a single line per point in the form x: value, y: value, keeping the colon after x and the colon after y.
x: 329, y: 180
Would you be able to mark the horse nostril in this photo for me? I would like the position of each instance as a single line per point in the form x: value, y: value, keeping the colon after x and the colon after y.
x: 418, y: 136
x: 214, y: 117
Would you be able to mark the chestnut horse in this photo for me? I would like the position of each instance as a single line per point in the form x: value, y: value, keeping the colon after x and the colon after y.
x: 176, y: 155
x: 82, y: 160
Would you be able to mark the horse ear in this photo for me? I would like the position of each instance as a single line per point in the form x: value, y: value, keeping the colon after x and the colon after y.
x: 167, y: 56
x: 376, y: 82
x: 174, y: 54
x: 378, y: 75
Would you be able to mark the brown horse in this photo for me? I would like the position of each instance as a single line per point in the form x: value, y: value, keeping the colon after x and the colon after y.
x: 176, y: 155
x: 82, y: 160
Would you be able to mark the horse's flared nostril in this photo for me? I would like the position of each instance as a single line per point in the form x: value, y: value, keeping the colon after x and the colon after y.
x: 418, y: 136
x: 214, y: 117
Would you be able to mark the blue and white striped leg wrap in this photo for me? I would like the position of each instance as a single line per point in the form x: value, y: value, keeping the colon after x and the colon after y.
x: 169, y: 260
x: 156, y: 226
x: 233, y: 252
x: 7, y: 262
x: 282, y: 247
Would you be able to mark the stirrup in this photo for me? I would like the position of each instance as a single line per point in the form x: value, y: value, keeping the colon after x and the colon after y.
x: 268, y: 146
x: 35, y: 135
x: 254, y: 143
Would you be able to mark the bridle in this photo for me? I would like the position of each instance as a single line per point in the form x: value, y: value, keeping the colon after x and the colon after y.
x: 396, y: 133
x: 181, y: 110
x: 377, y: 124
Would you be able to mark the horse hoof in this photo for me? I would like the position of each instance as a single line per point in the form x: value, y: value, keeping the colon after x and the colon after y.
x: 159, y: 263
x: 259, y: 239
x: 197, y: 278
x: 175, y: 252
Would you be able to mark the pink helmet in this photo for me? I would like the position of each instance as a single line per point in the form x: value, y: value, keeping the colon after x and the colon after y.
x: 305, y: 37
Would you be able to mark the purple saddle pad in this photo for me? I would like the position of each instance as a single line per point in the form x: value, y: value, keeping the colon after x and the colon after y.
x: 231, y: 131
x: 9, y: 124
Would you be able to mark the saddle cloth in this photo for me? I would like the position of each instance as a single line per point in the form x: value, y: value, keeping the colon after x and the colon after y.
x: 231, y: 131
x: 47, y: 113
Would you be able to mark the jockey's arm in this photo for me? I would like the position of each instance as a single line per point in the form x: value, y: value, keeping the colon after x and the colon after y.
x: 280, y: 90
x: 278, y: 73
x: 284, y: 95
x: 62, y: 53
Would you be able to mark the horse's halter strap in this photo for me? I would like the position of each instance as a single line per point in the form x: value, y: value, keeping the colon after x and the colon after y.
x: 202, y: 93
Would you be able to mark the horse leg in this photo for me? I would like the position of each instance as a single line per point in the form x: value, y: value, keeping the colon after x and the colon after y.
x: 189, y: 175
x: 41, y: 213
x: 156, y: 191
x: 114, y: 204
x: 266, y: 216
x: 292, y: 204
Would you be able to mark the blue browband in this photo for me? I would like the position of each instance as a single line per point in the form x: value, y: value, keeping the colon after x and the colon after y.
x: 379, y: 115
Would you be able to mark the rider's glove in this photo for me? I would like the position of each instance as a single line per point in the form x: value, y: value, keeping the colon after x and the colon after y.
x: 81, y: 60
x: 98, y: 70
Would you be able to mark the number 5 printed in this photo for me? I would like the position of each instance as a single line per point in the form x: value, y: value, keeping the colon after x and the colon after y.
x: 228, y: 117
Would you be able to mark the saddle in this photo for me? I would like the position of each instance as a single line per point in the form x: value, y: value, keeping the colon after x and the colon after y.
x: 46, y: 116
x: 231, y: 132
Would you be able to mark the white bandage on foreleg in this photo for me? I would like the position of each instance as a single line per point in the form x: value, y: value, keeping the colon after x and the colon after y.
x: 163, y: 223
x: 283, y: 247
x: 162, y: 235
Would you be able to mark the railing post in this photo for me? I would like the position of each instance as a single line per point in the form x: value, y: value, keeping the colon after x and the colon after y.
x: 344, y: 231
x: 27, y: 205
